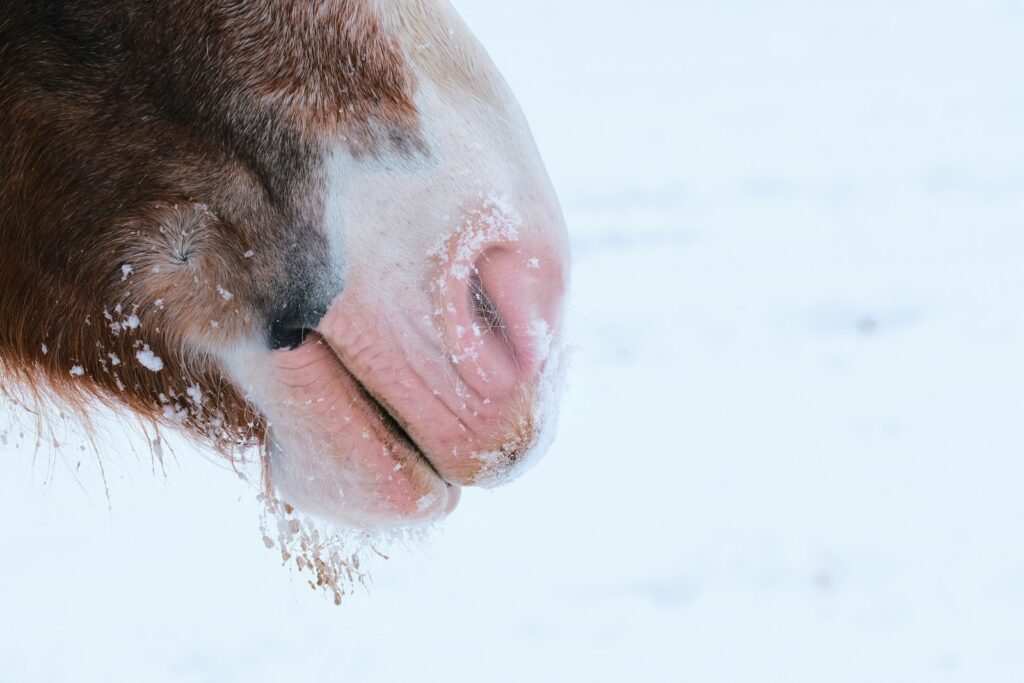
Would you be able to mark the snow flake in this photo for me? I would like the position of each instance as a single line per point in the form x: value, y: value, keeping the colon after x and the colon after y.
x: 149, y: 360
x: 175, y: 415
x: 195, y: 394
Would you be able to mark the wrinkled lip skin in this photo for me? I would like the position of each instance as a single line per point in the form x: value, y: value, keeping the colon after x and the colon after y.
x: 390, y: 429
x: 385, y: 424
x: 348, y: 454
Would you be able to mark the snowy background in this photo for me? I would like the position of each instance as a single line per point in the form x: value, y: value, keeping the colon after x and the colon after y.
x: 793, y: 444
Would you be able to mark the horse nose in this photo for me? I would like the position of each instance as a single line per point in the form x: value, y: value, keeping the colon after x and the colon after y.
x: 502, y: 317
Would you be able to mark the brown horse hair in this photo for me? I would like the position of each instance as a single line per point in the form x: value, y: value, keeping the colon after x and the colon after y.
x: 158, y: 167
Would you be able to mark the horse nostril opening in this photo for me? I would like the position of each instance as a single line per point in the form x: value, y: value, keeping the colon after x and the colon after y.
x: 517, y: 293
x: 485, y: 312
x: 284, y: 336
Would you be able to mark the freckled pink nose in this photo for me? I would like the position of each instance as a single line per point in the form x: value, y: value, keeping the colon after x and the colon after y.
x: 502, y: 317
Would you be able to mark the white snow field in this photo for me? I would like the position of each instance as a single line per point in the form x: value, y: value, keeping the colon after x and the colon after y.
x: 792, y: 448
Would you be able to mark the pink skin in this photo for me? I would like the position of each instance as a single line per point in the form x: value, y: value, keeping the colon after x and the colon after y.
x: 456, y: 394
x: 376, y: 473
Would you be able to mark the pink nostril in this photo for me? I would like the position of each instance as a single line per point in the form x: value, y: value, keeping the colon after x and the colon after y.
x: 519, y: 296
x: 501, y: 314
x: 501, y: 318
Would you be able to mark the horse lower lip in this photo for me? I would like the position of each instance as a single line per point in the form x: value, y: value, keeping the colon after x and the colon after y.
x: 392, y: 423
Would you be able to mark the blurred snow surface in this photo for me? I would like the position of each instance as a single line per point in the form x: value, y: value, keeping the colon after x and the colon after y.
x: 792, y: 448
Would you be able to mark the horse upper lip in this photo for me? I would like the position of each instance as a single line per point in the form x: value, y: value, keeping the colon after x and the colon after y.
x: 388, y: 416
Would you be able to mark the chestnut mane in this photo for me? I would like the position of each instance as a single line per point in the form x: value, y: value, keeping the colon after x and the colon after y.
x: 179, y: 140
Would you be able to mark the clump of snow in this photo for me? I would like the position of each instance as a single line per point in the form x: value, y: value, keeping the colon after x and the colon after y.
x: 131, y: 322
x: 126, y: 270
x: 46, y: 349
x: 225, y: 294
x: 149, y: 360
x: 540, y: 334
x: 195, y: 394
x: 174, y: 414
x: 77, y: 371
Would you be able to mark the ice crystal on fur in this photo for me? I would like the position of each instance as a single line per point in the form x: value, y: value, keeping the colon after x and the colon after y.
x: 149, y: 360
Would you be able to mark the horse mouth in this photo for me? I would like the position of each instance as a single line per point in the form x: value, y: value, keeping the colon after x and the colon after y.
x: 390, y: 420
x: 372, y: 425
x: 339, y: 451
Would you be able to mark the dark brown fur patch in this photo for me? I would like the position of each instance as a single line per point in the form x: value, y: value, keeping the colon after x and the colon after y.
x: 159, y: 191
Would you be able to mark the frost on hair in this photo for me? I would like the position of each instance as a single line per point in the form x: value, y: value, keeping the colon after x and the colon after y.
x: 149, y: 360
